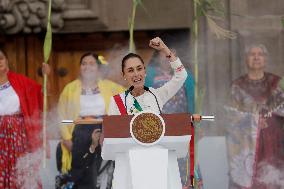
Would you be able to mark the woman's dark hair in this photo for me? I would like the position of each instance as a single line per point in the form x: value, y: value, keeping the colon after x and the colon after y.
x: 3, y: 52
x: 128, y: 56
x: 94, y: 55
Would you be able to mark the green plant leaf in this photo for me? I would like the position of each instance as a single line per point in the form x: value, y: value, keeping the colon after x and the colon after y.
x: 129, y: 22
x: 135, y: 2
x: 48, y: 36
x: 200, y: 11
x: 214, y: 6
x: 140, y: 3
x: 47, y: 43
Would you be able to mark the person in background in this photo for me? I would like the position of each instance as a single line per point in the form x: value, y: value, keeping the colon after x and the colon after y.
x: 159, y: 73
x: 255, y: 134
x: 21, y: 104
x: 86, y: 97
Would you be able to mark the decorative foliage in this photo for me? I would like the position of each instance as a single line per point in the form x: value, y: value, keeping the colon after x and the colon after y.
x: 220, y: 32
x: 131, y: 23
x: 46, y: 51
x: 48, y: 36
x: 204, y: 6
x: 102, y: 60
x: 213, y: 10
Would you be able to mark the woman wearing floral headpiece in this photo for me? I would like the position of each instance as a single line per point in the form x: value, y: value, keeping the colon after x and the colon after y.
x: 88, y: 96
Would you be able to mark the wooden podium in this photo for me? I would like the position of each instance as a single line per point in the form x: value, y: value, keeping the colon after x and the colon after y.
x: 146, y: 167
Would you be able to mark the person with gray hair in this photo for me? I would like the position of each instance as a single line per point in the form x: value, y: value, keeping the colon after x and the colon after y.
x: 255, y: 136
x: 260, y: 46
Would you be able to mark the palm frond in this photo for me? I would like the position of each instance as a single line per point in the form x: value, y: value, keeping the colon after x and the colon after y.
x: 47, y: 43
x: 140, y: 4
x: 220, y: 32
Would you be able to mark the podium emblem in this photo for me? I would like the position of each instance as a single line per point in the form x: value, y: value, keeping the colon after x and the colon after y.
x: 147, y: 128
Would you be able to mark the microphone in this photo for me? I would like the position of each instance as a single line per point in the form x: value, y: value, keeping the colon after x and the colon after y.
x: 126, y: 94
x: 147, y: 89
x: 129, y: 90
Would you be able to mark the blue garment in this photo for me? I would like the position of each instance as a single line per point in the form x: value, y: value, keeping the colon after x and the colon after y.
x: 154, y: 79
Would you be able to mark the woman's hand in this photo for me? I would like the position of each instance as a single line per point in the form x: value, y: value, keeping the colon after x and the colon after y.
x: 45, y: 68
x: 95, y: 139
x: 159, y: 45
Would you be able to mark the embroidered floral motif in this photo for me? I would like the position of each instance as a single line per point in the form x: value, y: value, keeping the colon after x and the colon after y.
x: 180, y: 68
x: 90, y: 91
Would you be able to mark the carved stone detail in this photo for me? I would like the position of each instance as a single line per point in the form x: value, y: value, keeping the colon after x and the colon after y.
x: 29, y: 16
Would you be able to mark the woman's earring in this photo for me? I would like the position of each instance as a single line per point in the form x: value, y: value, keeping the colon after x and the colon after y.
x: 125, y: 79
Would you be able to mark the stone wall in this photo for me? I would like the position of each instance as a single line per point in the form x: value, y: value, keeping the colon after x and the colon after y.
x: 80, y: 16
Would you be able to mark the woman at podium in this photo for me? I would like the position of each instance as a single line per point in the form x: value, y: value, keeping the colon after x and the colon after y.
x: 141, y: 98
x: 138, y: 97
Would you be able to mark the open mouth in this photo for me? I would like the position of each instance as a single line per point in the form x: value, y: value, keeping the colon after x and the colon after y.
x: 137, y: 80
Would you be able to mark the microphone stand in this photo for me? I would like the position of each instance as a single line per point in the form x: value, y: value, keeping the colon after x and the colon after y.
x: 147, y: 89
x: 126, y: 94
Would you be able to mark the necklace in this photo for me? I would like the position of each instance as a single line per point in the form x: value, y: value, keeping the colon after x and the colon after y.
x: 90, y: 91
x: 5, y: 85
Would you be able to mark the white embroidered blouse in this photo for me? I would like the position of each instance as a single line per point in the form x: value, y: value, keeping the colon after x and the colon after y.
x: 9, y: 100
x: 147, y: 100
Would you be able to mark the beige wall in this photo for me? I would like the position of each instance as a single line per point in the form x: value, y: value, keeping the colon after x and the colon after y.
x: 158, y: 14
x: 113, y: 15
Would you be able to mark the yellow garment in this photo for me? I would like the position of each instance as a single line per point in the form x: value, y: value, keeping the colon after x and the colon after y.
x: 69, y: 108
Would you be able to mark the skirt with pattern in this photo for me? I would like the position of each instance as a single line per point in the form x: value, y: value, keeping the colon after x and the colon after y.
x: 13, y: 144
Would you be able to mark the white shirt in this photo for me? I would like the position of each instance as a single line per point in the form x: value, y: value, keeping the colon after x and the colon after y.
x: 9, y: 100
x: 147, y: 100
x: 92, y: 104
